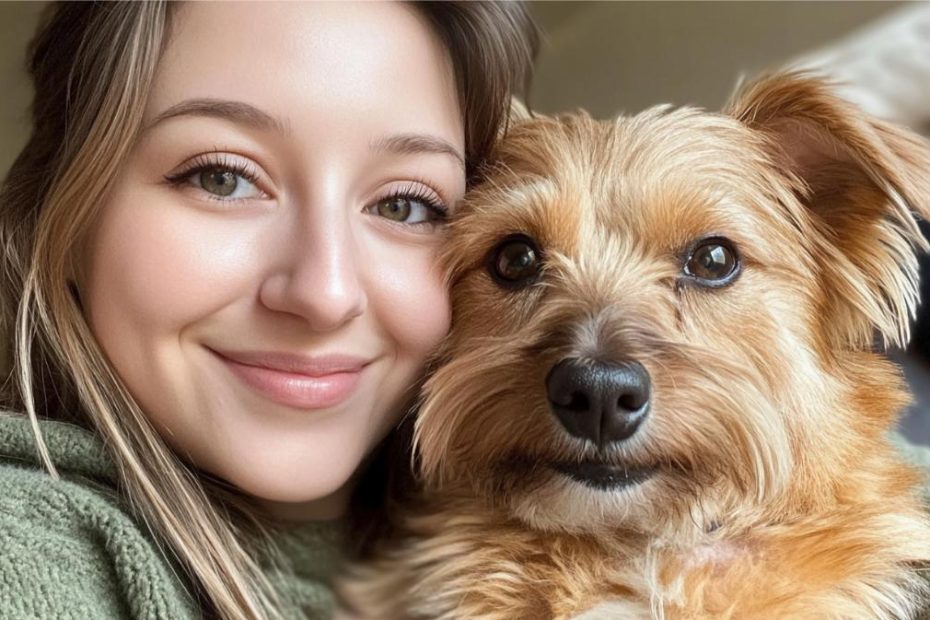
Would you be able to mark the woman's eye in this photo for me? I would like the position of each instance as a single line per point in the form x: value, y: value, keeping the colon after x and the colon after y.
x: 713, y: 262
x: 408, y: 210
x: 224, y: 184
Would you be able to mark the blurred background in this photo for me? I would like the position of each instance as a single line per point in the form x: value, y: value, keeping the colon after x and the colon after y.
x: 612, y: 57
x: 616, y: 57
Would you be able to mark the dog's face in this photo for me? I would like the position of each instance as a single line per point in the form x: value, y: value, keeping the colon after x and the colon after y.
x: 667, y: 318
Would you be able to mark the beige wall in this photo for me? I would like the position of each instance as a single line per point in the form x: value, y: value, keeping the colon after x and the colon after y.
x: 625, y: 56
x: 604, y: 56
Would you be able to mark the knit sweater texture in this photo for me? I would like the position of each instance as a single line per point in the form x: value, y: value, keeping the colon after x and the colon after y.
x: 70, y: 548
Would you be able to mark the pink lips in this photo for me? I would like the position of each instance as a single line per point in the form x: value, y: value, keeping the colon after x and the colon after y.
x: 295, y: 380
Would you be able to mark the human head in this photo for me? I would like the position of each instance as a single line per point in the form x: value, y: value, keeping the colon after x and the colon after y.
x: 94, y: 66
x: 214, y: 309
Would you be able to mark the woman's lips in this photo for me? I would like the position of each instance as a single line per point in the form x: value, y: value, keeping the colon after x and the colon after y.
x: 296, y: 381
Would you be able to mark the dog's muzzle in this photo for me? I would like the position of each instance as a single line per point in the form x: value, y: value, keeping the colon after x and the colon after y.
x: 599, y: 401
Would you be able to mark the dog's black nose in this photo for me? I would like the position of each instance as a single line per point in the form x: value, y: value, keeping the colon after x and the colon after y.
x: 598, y: 401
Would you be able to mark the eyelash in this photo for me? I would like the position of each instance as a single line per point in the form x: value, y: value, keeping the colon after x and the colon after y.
x: 414, y: 190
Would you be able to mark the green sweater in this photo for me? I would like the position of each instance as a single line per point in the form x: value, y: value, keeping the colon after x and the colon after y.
x: 70, y: 549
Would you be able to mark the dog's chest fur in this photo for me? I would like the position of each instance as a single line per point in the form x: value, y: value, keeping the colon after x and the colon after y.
x: 476, y: 565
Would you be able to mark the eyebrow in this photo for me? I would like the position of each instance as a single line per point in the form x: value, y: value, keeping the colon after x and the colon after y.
x: 247, y: 114
x: 412, y: 143
x: 236, y: 111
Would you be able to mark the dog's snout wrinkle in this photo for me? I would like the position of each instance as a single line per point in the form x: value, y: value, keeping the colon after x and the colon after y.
x: 599, y: 401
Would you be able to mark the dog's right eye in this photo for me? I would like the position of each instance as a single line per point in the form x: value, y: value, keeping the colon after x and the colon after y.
x: 713, y: 262
x: 515, y: 261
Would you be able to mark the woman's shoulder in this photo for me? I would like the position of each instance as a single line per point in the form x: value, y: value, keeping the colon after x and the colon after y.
x: 69, y: 546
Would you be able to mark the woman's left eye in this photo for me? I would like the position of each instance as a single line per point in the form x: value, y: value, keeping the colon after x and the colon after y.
x: 407, y: 209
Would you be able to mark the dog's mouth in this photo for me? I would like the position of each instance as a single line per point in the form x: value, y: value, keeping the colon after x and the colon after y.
x: 604, y: 476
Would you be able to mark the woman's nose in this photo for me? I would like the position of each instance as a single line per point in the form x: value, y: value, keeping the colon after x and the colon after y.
x: 316, y: 276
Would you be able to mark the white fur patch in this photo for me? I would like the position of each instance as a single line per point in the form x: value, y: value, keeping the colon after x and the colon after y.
x: 614, y: 610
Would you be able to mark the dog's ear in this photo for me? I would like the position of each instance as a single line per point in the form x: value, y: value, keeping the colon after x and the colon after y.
x: 863, y: 179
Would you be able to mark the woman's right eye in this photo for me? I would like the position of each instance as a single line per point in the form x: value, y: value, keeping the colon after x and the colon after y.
x: 225, y: 184
x: 223, y: 181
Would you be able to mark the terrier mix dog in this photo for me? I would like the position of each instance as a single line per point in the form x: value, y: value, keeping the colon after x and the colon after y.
x: 659, y: 397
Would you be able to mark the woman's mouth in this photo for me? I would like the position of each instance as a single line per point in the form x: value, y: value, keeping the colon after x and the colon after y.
x: 294, y: 380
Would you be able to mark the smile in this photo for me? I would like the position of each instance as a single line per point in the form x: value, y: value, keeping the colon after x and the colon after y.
x: 294, y: 381
x: 604, y: 476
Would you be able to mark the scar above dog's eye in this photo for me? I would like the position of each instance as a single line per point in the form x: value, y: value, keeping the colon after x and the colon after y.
x: 712, y: 262
x: 514, y: 262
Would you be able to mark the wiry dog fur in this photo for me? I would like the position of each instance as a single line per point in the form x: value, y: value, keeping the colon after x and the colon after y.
x: 777, y: 493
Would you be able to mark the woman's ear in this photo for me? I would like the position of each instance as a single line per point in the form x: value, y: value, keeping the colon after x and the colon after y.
x: 862, y: 179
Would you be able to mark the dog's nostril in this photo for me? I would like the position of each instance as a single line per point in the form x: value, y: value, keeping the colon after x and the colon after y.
x: 631, y: 402
x: 578, y: 402
x: 598, y: 401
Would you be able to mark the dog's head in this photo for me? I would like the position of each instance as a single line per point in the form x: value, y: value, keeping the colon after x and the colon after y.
x: 670, y: 317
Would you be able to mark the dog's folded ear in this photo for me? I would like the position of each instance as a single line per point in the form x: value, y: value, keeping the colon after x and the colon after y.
x: 863, y: 180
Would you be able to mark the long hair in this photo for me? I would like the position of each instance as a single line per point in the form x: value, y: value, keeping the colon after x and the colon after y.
x: 92, y: 66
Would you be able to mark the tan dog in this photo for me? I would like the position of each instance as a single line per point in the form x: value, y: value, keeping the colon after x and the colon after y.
x: 659, y: 396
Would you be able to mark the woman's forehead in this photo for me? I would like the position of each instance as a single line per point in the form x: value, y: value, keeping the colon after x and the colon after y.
x: 349, y: 72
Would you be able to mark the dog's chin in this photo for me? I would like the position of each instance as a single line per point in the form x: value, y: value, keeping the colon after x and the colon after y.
x: 602, y: 476
x: 581, y: 496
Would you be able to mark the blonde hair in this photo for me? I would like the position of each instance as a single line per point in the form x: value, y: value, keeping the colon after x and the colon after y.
x: 92, y: 65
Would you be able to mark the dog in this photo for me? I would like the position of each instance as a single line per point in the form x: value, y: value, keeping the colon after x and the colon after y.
x: 663, y: 394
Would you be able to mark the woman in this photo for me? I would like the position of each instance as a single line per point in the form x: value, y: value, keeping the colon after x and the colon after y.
x: 220, y: 291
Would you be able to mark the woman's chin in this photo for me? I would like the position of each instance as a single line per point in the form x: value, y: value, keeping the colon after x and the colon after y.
x: 310, y: 483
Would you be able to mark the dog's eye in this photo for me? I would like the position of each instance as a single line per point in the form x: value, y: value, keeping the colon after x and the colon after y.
x: 713, y: 262
x: 514, y: 262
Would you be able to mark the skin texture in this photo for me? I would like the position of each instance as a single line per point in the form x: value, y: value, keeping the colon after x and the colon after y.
x: 774, y: 490
x: 302, y: 261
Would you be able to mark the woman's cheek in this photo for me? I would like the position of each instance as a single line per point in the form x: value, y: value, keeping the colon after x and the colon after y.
x: 415, y: 303
x: 165, y: 263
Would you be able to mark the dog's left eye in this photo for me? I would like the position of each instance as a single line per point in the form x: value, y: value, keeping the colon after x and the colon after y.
x: 713, y: 262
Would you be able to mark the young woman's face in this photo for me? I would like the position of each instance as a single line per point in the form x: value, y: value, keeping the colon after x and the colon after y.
x: 263, y: 274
